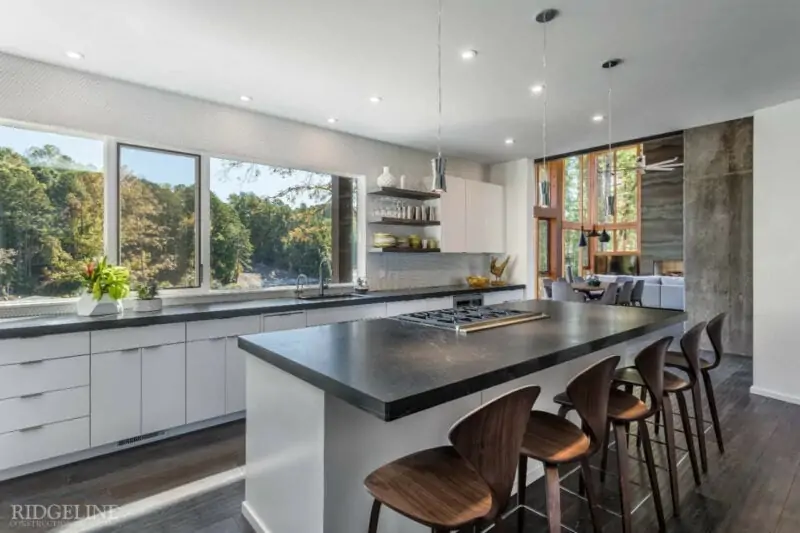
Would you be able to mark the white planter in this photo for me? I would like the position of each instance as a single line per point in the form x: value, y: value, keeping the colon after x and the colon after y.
x: 88, y: 306
x: 147, y: 306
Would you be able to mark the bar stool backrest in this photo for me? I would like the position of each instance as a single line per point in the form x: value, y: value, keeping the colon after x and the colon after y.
x: 490, y: 437
x: 690, y: 346
x: 650, y: 364
x: 714, y: 330
x: 588, y: 392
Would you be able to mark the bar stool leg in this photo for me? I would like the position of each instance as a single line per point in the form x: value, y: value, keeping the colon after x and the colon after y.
x: 522, y: 474
x: 586, y: 473
x: 373, y: 516
x: 651, y: 473
x: 657, y: 422
x: 604, y: 461
x: 687, y: 432
x: 697, y: 399
x: 624, y: 476
x: 672, y: 461
x: 553, y: 498
x: 712, y: 406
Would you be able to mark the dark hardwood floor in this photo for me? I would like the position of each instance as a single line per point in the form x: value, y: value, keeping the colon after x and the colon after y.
x: 753, y: 488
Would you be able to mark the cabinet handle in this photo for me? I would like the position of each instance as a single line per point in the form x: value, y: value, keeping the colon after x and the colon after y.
x: 29, y: 396
x: 32, y: 428
x: 36, y: 362
x: 284, y: 314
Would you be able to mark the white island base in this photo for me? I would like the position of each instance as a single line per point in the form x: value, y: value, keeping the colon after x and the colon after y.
x: 308, y: 452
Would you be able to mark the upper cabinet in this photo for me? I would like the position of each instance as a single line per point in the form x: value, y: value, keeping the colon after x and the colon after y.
x: 473, y: 217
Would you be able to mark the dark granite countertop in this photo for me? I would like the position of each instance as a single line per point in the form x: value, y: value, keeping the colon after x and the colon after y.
x: 36, y: 326
x: 393, y: 369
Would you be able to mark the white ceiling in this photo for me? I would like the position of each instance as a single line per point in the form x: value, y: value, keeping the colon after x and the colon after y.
x: 687, y: 62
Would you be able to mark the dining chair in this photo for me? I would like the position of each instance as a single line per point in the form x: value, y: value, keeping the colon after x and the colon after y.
x: 561, y: 278
x: 609, y: 296
x: 625, y: 293
x: 579, y: 279
x: 638, y: 293
x: 562, y: 291
x: 570, y: 274
x: 547, y: 285
x: 455, y: 487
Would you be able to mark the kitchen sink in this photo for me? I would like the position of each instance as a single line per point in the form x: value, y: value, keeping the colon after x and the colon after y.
x: 329, y: 296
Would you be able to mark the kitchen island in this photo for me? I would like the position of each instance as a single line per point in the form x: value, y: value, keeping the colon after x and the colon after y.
x: 327, y: 405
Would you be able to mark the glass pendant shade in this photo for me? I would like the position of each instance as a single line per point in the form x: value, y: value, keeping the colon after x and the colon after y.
x: 611, y: 205
x: 438, y: 166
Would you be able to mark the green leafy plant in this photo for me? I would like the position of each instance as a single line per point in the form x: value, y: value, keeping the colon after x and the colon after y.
x: 100, y: 278
x: 147, y: 291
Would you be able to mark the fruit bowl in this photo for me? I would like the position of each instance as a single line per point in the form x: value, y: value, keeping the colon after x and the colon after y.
x: 477, y: 282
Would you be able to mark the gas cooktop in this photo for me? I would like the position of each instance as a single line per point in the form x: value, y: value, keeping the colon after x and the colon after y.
x: 469, y: 319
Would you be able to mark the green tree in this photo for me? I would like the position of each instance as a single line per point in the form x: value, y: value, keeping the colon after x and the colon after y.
x: 230, y: 243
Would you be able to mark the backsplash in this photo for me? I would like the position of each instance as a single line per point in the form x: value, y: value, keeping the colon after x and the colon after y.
x: 390, y: 271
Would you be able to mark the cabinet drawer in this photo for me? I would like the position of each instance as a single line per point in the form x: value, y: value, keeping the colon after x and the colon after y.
x: 226, y: 327
x: 111, y: 340
x: 48, y: 347
x: 43, y: 408
x: 435, y: 304
x: 284, y: 321
x: 42, y: 442
x: 409, y: 306
x: 43, y: 376
x: 316, y: 317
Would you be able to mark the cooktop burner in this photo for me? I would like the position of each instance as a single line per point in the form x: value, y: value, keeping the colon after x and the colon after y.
x: 466, y: 319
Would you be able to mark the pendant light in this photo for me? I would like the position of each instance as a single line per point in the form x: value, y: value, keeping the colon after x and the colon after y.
x: 605, y: 237
x: 607, y: 170
x: 439, y: 163
x: 582, y: 242
x: 544, y: 18
x: 593, y: 233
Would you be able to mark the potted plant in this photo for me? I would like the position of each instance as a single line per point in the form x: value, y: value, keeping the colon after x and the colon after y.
x: 148, y: 299
x: 106, y: 285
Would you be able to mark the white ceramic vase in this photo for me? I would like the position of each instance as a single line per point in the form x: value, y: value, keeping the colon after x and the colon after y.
x: 88, y: 306
x: 386, y: 179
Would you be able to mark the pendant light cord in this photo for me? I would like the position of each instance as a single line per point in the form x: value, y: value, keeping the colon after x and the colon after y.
x: 544, y: 102
x: 439, y: 46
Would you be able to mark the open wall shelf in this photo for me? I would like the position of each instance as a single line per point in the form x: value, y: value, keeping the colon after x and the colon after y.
x: 408, y: 194
x: 386, y: 221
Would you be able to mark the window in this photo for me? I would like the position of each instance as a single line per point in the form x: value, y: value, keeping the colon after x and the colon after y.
x: 544, y: 245
x: 271, y: 224
x: 159, y: 226
x: 51, y: 212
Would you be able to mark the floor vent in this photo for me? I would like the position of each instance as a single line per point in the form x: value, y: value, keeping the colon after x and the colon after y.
x: 140, y: 438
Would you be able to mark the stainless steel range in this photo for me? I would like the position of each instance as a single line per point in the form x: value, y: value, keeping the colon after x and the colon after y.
x: 469, y: 319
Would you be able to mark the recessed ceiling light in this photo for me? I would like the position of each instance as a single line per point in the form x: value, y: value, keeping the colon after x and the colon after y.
x: 469, y: 54
x: 509, y: 141
x: 74, y: 55
x: 598, y: 118
x: 375, y: 99
x: 333, y: 120
x: 245, y: 98
x: 537, y: 89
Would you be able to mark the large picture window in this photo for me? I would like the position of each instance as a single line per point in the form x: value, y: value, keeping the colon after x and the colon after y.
x: 51, y: 212
x: 158, y: 227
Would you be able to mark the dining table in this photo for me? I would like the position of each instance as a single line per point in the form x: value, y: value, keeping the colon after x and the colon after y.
x: 591, y: 291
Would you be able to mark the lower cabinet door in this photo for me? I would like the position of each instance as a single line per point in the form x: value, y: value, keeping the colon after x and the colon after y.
x: 116, y: 400
x: 205, y: 379
x: 234, y: 376
x: 163, y: 387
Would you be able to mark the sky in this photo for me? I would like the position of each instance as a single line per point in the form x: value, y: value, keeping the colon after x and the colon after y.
x: 167, y: 168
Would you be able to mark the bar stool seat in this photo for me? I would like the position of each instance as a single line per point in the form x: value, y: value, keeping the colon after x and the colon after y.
x: 554, y: 440
x: 630, y: 376
x: 434, y: 486
x: 622, y: 406
x: 678, y: 360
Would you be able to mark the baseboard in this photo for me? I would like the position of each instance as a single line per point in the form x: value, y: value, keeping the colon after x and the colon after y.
x: 788, y: 398
x: 252, y: 519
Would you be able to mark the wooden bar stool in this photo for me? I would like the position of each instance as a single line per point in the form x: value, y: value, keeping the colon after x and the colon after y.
x: 554, y: 440
x: 673, y: 386
x: 679, y: 360
x: 625, y: 408
x: 452, y: 487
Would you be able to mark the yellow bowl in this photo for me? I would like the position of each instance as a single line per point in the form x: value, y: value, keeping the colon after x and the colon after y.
x: 477, y: 282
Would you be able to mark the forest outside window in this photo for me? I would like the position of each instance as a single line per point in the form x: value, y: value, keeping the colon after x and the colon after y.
x: 271, y: 224
x: 51, y: 212
x: 159, y: 222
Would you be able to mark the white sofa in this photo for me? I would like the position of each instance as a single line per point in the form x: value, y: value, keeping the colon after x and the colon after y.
x: 664, y: 292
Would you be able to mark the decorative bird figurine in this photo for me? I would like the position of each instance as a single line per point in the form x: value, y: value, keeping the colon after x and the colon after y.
x: 498, y: 270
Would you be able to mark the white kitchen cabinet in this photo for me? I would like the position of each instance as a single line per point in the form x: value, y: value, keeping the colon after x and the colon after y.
x: 116, y: 396
x: 332, y: 315
x: 235, y: 363
x: 408, y: 306
x: 485, y: 217
x: 452, y: 214
x: 283, y: 321
x: 501, y: 297
x: 163, y: 387
x: 205, y: 379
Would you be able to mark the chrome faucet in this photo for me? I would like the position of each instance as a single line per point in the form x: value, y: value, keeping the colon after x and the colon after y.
x: 302, y: 279
x: 322, y: 283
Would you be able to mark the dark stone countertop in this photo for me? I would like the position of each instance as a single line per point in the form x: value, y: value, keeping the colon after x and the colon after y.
x: 36, y: 326
x: 393, y: 369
